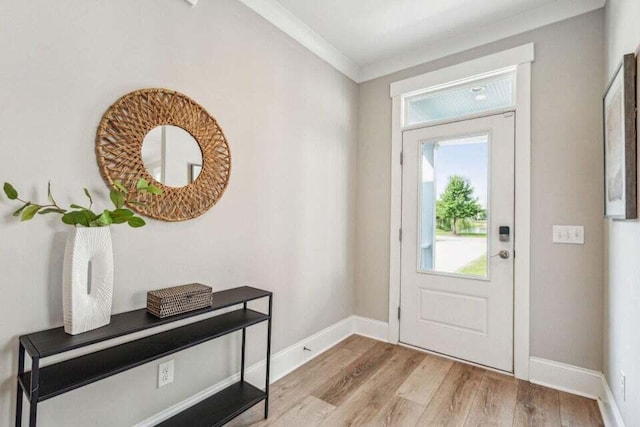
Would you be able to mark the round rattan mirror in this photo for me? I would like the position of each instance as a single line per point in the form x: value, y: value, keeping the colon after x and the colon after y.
x: 119, y: 142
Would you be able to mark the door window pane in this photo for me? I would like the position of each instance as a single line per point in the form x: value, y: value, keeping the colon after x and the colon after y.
x: 480, y: 96
x: 454, y: 206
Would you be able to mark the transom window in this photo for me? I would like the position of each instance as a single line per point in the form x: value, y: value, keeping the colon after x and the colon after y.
x: 474, y: 96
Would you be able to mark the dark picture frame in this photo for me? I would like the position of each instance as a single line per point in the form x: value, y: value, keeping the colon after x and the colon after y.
x: 620, y: 142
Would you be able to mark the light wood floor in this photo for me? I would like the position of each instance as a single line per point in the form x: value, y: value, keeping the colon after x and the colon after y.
x: 363, y: 382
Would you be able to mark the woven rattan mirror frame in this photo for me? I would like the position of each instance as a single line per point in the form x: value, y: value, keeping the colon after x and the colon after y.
x: 119, y: 150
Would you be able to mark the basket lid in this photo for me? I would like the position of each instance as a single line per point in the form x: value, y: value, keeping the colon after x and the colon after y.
x: 182, y: 289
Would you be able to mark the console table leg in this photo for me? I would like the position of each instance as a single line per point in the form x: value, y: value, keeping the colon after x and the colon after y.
x: 244, y: 340
x: 266, y: 400
x: 20, y: 394
x: 32, y: 414
x: 19, y: 407
x: 35, y: 388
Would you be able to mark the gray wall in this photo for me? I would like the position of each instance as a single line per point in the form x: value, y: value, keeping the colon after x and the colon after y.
x: 566, y: 280
x: 286, y: 222
x: 622, y: 246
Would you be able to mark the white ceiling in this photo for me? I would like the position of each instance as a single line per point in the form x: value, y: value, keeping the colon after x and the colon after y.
x: 368, y: 31
x: 369, y: 38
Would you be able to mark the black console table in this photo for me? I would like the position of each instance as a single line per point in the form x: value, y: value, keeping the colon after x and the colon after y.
x: 41, y: 384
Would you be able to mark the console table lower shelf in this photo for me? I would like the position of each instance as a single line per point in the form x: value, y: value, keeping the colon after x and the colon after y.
x: 41, y: 384
x: 220, y: 408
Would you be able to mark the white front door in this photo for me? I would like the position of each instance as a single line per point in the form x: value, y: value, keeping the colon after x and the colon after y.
x: 457, y: 239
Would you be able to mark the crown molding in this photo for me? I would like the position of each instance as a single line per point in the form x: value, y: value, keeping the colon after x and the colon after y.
x: 279, y: 16
x: 548, y: 13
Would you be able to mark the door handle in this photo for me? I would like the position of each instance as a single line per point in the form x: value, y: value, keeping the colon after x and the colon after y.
x: 504, y: 254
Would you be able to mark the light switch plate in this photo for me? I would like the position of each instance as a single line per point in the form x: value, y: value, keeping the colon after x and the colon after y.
x: 569, y: 234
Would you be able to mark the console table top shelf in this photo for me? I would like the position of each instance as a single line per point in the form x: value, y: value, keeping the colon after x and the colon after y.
x: 55, y: 341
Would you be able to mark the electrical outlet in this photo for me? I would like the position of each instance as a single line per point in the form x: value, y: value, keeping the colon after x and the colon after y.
x: 165, y: 373
x: 571, y: 234
x: 623, y: 386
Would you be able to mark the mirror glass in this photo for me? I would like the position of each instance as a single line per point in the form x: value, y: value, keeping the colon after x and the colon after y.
x: 172, y: 156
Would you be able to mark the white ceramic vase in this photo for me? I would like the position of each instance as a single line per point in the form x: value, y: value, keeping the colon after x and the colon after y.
x: 87, y: 279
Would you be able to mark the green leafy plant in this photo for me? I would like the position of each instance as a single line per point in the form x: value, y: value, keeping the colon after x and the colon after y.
x: 457, y: 202
x: 85, y: 215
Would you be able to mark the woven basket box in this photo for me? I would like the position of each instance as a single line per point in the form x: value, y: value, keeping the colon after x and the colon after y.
x: 179, y: 299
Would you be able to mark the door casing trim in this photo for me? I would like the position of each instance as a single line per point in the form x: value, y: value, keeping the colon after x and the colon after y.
x: 520, y: 57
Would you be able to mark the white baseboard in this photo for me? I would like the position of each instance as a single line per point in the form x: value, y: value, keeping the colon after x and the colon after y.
x: 284, y: 361
x: 569, y: 378
x: 294, y: 356
x: 608, y: 407
x: 371, y: 328
x: 580, y: 381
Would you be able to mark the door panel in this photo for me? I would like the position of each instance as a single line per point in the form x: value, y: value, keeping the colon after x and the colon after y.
x: 457, y: 190
x: 453, y: 309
